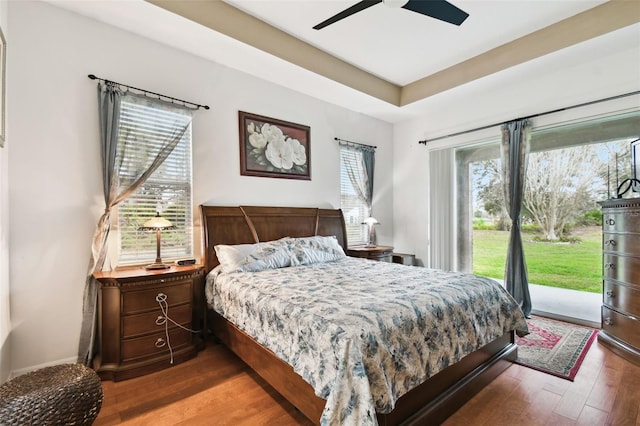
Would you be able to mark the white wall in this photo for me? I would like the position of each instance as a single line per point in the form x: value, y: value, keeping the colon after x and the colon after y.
x: 5, y: 317
x: 601, y: 68
x: 55, y: 193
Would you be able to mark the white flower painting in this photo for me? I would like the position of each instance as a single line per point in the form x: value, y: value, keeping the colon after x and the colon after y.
x: 273, y: 148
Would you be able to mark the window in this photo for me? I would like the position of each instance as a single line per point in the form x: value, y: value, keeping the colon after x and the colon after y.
x: 145, y: 126
x: 353, y: 207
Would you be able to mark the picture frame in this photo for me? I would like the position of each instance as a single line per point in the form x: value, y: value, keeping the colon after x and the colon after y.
x: 635, y: 165
x: 3, y: 90
x: 270, y: 147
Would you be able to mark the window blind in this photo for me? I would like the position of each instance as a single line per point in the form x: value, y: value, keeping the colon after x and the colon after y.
x: 442, y: 230
x: 144, y: 128
x: 353, y: 208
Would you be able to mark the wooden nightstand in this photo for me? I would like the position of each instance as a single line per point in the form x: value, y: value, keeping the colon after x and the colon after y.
x: 381, y: 253
x: 132, y: 337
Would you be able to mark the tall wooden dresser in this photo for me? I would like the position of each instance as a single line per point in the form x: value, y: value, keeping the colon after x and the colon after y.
x: 621, y: 277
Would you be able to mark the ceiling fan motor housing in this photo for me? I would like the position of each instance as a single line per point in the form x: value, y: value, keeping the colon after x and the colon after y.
x: 395, y: 3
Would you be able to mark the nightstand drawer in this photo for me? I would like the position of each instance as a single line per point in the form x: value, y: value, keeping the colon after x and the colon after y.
x: 141, y: 300
x: 154, y: 344
x: 621, y: 326
x: 135, y: 325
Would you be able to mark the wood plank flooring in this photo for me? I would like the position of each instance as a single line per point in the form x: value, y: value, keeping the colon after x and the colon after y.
x: 217, y: 388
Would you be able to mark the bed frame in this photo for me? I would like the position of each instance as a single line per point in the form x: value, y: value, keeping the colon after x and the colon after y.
x: 432, y: 402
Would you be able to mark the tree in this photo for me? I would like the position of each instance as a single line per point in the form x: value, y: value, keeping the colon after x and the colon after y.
x: 557, y: 188
x: 488, y: 179
x: 561, y: 185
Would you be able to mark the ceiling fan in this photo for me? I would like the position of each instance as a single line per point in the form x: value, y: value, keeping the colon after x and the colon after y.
x: 438, y: 9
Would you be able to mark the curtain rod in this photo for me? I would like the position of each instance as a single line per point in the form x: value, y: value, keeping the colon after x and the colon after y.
x: 355, y: 143
x: 145, y: 92
x: 424, y: 142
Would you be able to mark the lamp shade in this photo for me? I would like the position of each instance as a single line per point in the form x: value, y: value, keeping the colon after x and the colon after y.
x: 156, y: 223
x: 370, y: 221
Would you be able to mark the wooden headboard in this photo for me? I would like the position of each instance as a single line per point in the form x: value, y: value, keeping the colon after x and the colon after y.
x: 248, y: 225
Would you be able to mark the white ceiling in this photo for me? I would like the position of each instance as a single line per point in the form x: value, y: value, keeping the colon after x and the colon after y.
x: 402, y: 46
x: 396, y: 45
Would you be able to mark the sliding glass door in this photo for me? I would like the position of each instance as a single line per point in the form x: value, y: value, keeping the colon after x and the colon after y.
x: 570, y: 169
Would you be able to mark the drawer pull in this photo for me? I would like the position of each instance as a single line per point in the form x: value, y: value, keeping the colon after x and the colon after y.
x: 610, y: 293
x: 161, y: 320
x: 611, y: 243
x: 610, y: 221
x: 608, y: 321
x: 160, y: 343
x: 609, y: 266
x: 161, y: 297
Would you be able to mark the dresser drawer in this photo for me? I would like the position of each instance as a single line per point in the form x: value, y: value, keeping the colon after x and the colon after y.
x: 621, y: 268
x: 621, y: 297
x: 621, y: 243
x: 141, y: 300
x: 151, y: 322
x: 154, y: 344
x: 621, y: 327
x: 621, y: 221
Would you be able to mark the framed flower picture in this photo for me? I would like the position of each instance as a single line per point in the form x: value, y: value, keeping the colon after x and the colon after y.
x: 274, y: 148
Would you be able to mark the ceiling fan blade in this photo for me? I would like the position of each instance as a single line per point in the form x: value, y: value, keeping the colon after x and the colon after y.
x: 358, y: 7
x: 439, y: 9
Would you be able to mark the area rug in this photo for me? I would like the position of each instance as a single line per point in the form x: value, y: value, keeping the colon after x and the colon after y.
x: 554, y: 347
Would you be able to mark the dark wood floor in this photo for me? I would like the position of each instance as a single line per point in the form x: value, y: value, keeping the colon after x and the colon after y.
x: 217, y: 388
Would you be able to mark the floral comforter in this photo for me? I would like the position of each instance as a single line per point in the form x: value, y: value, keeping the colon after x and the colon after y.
x: 363, y: 333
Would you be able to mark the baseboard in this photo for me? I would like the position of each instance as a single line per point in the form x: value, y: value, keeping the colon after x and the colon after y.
x: 21, y: 371
x: 572, y: 320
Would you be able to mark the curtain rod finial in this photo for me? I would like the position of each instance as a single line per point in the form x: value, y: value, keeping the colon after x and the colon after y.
x: 424, y: 142
x: 92, y: 77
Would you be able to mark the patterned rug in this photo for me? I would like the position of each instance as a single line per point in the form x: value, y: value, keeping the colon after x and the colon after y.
x: 554, y: 347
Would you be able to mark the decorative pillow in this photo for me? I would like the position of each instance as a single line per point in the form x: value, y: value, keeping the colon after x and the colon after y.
x: 253, y: 257
x: 315, y: 249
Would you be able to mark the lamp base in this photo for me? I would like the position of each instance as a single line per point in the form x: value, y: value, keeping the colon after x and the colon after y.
x: 158, y: 266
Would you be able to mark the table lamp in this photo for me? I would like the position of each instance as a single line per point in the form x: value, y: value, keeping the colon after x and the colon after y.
x: 157, y: 224
x: 371, y: 222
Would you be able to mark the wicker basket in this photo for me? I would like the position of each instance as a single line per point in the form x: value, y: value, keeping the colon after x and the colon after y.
x: 69, y: 394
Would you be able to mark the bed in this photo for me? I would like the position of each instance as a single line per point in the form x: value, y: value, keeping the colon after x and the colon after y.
x: 350, y: 384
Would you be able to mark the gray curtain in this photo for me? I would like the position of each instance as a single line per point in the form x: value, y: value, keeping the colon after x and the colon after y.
x: 514, y: 150
x: 364, y: 170
x: 114, y: 145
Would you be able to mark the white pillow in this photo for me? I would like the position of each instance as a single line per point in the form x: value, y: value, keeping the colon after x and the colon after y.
x: 315, y: 249
x: 253, y: 257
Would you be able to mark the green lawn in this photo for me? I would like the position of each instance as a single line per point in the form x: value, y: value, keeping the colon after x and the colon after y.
x: 573, y: 266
